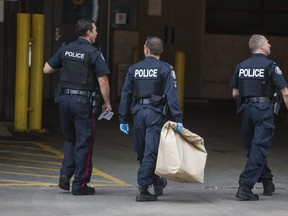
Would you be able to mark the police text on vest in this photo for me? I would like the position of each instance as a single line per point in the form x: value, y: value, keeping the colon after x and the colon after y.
x: 146, y: 73
x: 255, y: 72
x: 75, y: 54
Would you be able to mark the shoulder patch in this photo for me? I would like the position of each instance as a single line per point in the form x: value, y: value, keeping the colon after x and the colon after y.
x: 277, y: 70
x: 173, y: 74
x: 102, y: 57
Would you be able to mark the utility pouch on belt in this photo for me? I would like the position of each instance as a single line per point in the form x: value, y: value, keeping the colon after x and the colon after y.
x: 277, y: 103
x: 238, y: 101
x: 239, y: 104
x: 94, y: 101
x: 156, y: 100
x: 132, y: 104
x: 58, y: 92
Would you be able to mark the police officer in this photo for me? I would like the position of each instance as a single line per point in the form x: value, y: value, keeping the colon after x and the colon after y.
x: 82, y: 65
x: 254, y: 83
x: 151, y: 87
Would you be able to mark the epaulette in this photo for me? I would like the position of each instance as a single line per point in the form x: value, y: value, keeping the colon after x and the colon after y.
x: 168, y: 65
x: 97, y: 46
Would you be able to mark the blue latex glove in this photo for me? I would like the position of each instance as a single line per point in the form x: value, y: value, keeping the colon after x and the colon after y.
x: 179, y: 127
x: 124, y: 128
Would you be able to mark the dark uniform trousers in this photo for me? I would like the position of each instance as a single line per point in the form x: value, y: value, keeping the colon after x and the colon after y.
x: 146, y: 134
x: 78, y: 126
x: 257, y: 130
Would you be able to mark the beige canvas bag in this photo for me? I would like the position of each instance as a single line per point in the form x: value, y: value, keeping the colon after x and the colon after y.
x: 181, y: 157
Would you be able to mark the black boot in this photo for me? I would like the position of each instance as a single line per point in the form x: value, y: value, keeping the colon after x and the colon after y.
x: 245, y: 193
x: 268, y: 187
x: 159, y: 185
x: 143, y: 195
x: 64, y: 183
x: 87, y: 191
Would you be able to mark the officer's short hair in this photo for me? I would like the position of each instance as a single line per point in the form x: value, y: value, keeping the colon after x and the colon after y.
x: 255, y: 41
x: 83, y: 25
x: 155, y: 45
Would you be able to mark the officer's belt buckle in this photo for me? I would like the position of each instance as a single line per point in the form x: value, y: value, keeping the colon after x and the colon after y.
x: 145, y: 101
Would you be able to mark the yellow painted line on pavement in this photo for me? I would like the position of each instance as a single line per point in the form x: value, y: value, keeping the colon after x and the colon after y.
x: 49, y: 149
x: 96, y: 171
x: 13, y: 183
x: 112, y: 181
x: 40, y: 175
x: 105, y: 175
x: 28, y: 174
x: 28, y: 167
x: 29, y: 154
x: 9, y: 142
x: 21, y: 147
x: 29, y: 160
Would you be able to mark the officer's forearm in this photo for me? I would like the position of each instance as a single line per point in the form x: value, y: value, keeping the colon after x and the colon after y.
x: 285, y: 99
x: 284, y: 93
x: 105, y: 89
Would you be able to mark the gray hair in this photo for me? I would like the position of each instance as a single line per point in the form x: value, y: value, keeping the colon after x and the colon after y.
x: 155, y: 45
x: 255, y: 41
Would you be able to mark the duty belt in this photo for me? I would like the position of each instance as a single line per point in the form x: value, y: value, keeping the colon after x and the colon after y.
x: 75, y: 92
x: 258, y: 100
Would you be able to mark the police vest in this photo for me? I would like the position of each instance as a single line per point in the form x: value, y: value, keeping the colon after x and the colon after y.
x: 147, y: 82
x: 76, y: 71
x: 255, y: 82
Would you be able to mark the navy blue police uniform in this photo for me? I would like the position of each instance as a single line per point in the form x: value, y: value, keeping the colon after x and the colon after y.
x: 257, y: 79
x: 150, y: 85
x: 81, y: 63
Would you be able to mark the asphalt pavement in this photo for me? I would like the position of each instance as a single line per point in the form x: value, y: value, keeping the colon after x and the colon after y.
x: 30, y: 162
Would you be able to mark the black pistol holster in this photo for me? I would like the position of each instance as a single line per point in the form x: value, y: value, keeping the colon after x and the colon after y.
x: 277, y: 101
x: 157, y: 100
x: 94, y: 101
x: 57, y: 93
